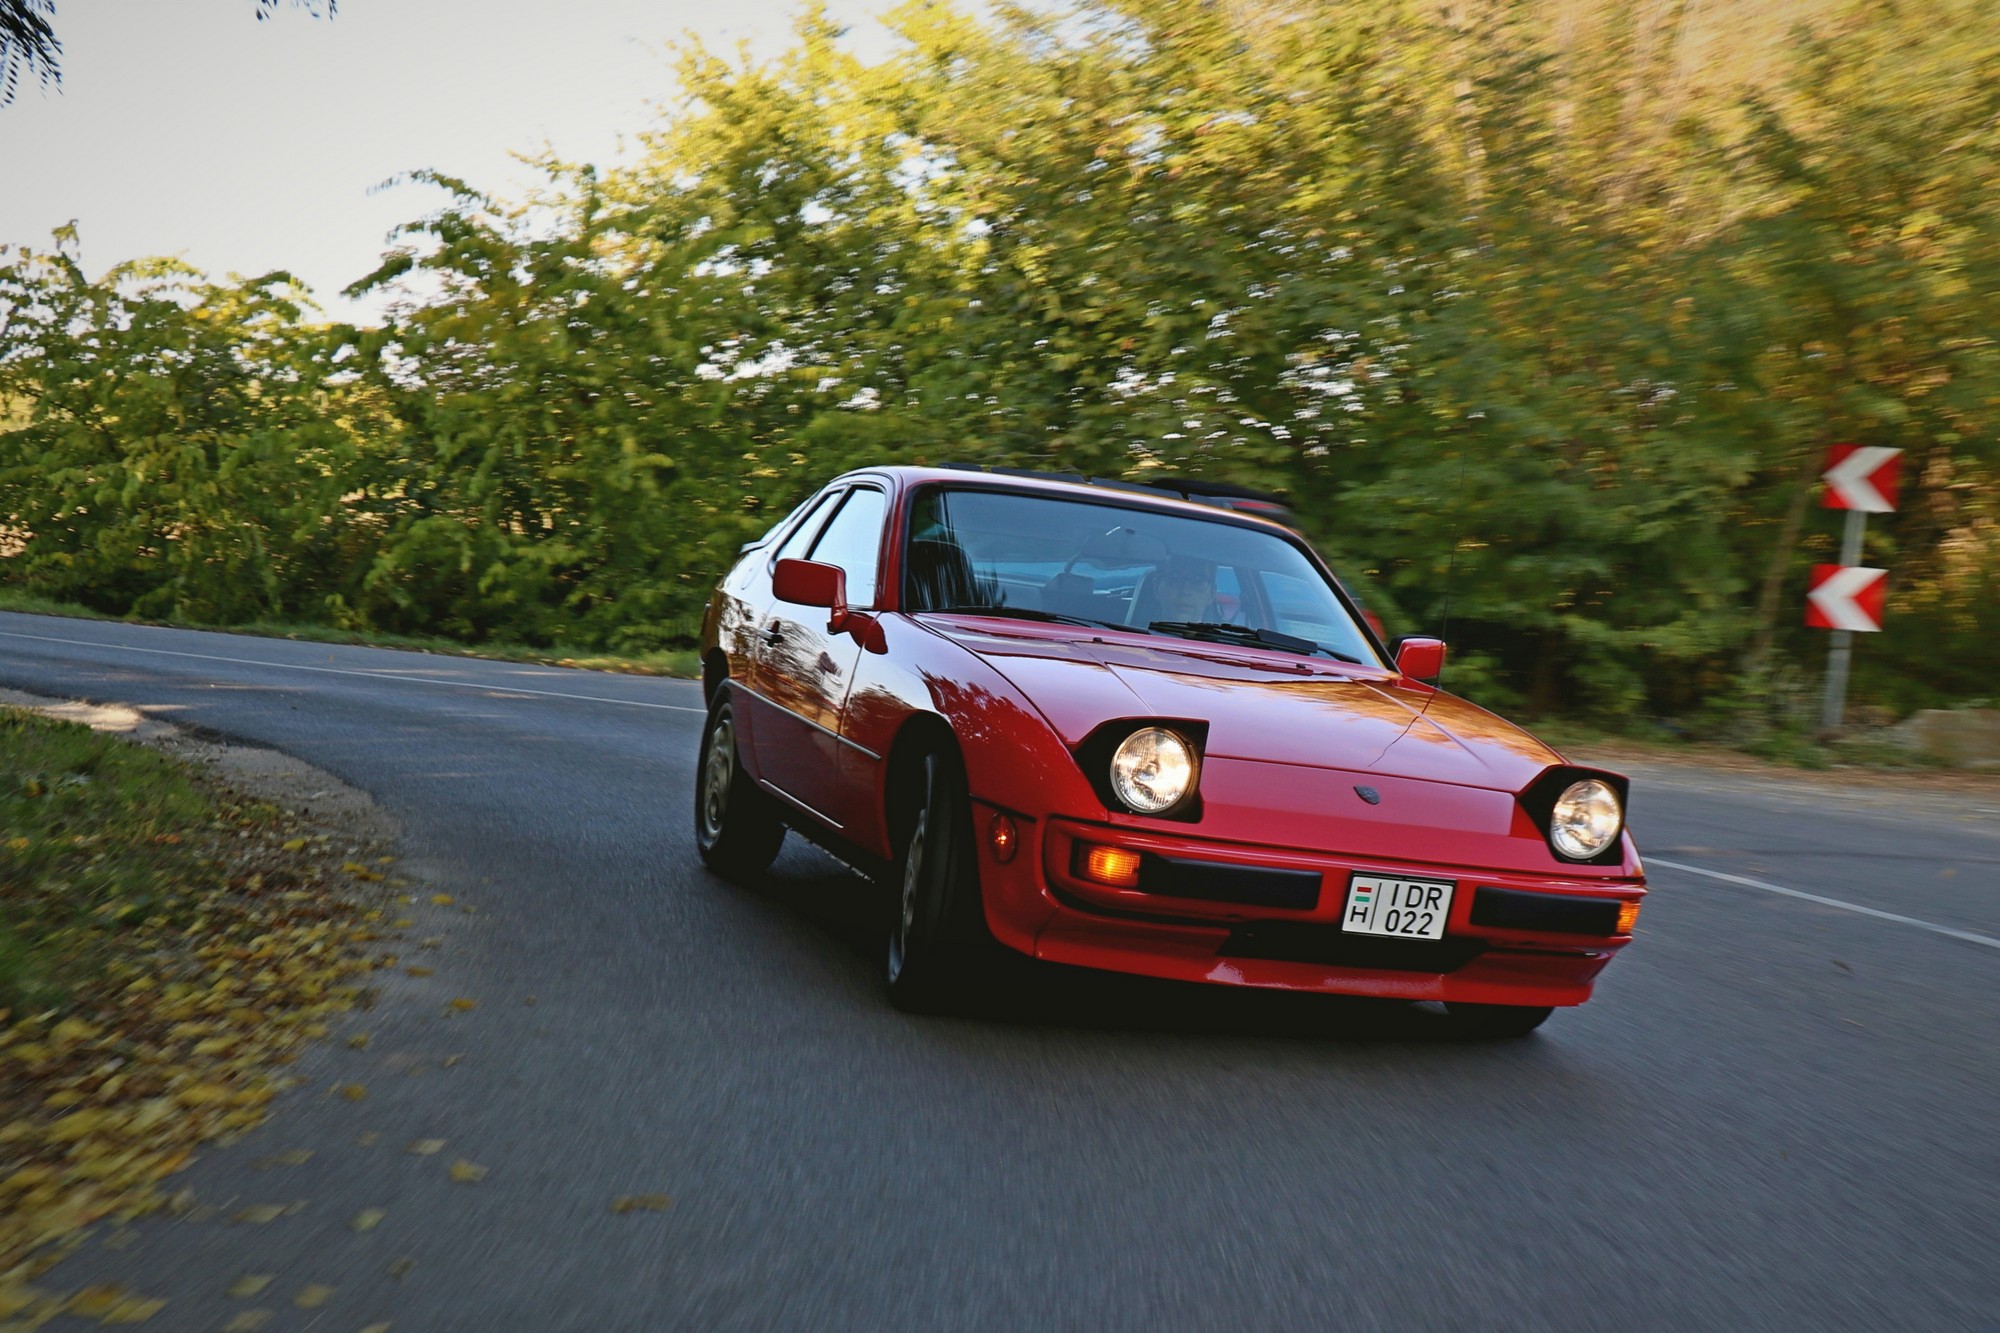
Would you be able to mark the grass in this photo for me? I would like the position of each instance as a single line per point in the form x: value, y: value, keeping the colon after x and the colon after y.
x: 679, y: 662
x: 92, y: 831
x: 1787, y: 749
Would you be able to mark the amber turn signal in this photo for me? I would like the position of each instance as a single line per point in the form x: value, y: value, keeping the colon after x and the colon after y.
x: 1003, y: 838
x: 1628, y: 916
x: 1108, y: 865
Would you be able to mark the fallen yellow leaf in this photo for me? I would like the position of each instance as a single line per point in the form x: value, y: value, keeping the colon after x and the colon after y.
x: 427, y: 1147
x: 441, y: 899
x: 641, y: 1203
x: 367, y: 1218
x: 354, y: 1092
x: 294, y: 844
x: 462, y: 1004
x: 133, y: 1310
x: 467, y: 1173
x: 96, y: 1302
x: 249, y: 1285
x: 312, y: 1296
x: 247, y: 1321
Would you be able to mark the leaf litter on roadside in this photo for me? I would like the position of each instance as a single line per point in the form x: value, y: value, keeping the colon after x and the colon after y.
x: 182, y: 943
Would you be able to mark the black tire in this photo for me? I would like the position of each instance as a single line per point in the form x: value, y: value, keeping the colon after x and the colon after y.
x: 1497, y: 1020
x: 938, y: 941
x: 736, y: 826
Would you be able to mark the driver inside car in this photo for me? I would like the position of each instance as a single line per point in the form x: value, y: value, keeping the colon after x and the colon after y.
x: 1182, y: 588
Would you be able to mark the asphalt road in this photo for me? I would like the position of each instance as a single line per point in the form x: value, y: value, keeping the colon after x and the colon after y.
x: 1777, y: 1113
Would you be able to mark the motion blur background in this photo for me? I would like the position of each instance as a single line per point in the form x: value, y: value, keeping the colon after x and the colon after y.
x: 1567, y: 298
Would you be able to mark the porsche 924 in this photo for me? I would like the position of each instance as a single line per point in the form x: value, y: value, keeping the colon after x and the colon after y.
x: 1106, y: 725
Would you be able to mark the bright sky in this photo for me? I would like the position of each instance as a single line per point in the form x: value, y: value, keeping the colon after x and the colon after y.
x: 189, y: 128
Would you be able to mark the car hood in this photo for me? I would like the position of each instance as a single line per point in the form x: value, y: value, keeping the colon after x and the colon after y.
x: 1259, y: 706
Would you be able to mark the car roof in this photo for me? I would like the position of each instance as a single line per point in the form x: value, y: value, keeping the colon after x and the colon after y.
x: 1074, y: 485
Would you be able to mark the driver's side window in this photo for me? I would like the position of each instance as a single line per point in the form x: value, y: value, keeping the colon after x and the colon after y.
x: 801, y: 540
x: 853, y: 540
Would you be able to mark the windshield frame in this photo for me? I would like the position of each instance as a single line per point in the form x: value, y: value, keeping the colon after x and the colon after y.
x: 1120, y: 499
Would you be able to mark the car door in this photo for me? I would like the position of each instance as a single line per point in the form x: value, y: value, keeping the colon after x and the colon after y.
x: 760, y: 612
x: 806, y: 671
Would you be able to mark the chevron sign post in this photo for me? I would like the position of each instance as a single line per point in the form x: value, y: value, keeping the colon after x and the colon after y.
x: 1861, y: 477
x: 1846, y: 598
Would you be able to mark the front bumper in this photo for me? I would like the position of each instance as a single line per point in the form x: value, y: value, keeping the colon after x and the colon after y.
x: 1510, y: 937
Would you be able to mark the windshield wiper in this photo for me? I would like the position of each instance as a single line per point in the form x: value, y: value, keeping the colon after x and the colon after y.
x: 1024, y: 613
x: 1215, y: 631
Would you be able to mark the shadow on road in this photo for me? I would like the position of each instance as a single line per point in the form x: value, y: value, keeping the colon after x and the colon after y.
x: 849, y: 911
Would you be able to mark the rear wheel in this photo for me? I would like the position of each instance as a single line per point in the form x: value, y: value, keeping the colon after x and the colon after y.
x: 937, y: 933
x: 736, y: 826
x: 1497, y: 1020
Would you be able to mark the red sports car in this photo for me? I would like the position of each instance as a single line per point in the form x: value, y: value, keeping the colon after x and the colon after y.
x: 1103, y: 725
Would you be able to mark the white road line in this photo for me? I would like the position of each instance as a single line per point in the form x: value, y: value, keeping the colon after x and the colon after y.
x: 1769, y: 887
x: 372, y: 675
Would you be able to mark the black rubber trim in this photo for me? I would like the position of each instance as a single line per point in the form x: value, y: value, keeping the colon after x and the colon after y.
x: 1093, y: 756
x: 1310, y: 942
x: 1539, y: 800
x: 1562, y: 914
x: 1220, y: 882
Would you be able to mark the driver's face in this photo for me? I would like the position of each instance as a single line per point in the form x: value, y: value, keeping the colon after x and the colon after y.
x: 1185, y: 593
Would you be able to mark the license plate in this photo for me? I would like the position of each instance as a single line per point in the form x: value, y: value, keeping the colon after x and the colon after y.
x: 1409, y: 909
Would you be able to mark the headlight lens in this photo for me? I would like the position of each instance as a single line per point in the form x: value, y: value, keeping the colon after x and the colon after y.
x: 1587, y: 819
x: 1152, y: 770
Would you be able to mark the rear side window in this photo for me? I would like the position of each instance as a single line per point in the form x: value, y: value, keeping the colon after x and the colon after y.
x: 854, y: 542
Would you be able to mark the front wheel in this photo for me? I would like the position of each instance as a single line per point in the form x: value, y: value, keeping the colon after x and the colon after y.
x: 1497, y: 1020
x: 736, y: 826
x: 937, y: 935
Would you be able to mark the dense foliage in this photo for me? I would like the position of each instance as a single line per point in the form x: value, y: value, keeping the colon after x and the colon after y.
x: 1544, y: 326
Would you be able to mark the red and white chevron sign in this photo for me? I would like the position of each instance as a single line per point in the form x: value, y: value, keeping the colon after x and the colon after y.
x: 1846, y: 597
x: 1861, y: 476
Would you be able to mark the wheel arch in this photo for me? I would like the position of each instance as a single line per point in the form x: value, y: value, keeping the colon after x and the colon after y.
x: 714, y: 671
x: 903, y: 773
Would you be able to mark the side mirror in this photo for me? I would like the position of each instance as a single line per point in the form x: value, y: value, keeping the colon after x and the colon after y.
x: 810, y: 583
x: 1420, y: 659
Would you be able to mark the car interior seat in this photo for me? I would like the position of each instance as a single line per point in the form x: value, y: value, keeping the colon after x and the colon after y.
x: 939, y: 575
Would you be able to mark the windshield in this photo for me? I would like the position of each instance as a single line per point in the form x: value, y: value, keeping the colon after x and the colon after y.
x: 1044, y: 558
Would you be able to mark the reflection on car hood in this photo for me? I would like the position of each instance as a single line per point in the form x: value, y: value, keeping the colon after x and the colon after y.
x: 1304, y: 711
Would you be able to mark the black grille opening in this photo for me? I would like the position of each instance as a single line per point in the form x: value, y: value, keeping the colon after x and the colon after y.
x: 1562, y: 914
x: 1215, y: 881
x: 1306, y: 942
